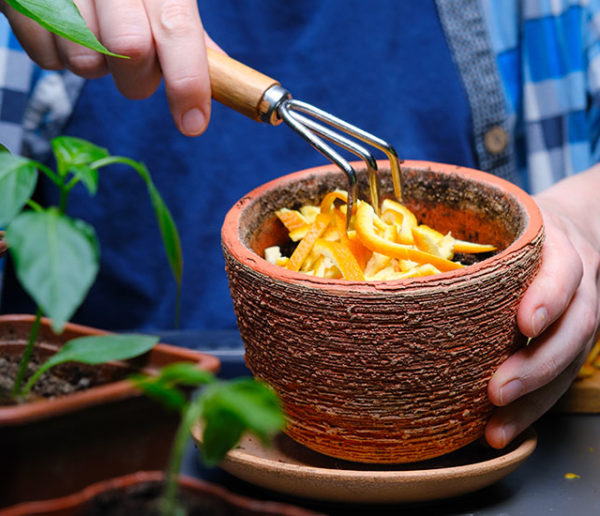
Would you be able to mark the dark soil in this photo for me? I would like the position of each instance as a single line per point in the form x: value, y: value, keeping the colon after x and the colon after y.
x: 60, y: 381
x: 145, y: 499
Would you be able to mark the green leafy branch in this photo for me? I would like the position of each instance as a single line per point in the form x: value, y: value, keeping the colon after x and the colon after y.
x: 57, y: 257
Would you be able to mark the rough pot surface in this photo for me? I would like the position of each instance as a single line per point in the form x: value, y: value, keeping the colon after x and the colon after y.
x: 385, y: 371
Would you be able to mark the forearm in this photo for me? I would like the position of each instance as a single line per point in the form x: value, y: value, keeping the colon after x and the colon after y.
x: 578, y: 198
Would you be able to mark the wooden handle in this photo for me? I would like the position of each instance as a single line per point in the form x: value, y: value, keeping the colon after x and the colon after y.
x: 238, y: 86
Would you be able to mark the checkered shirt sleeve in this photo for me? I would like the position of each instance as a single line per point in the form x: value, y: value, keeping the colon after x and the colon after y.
x: 16, y: 73
x: 548, y: 54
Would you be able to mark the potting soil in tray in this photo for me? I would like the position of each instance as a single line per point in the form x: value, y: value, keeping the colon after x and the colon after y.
x: 144, y: 498
x: 62, y: 380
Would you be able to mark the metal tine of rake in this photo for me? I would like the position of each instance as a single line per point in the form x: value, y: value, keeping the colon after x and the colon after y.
x: 327, y: 151
x: 353, y: 147
x: 263, y: 99
x: 356, y: 132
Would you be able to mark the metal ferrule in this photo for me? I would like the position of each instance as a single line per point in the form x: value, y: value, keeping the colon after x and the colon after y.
x: 271, y: 101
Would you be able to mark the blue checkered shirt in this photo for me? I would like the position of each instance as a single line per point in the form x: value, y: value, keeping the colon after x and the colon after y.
x: 546, y: 66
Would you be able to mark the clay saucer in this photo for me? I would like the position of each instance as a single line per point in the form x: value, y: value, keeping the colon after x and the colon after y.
x: 290, y: 468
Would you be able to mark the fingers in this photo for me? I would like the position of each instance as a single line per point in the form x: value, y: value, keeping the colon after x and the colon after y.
x: 550, y: 353
x: 555, y: 284
x: 180, y: 45
x: 162, y: 38
x: 529, y: 382
x: 508, y: 422
x: 77, y: 58
x: 124, y: 28
x: 35, y: 40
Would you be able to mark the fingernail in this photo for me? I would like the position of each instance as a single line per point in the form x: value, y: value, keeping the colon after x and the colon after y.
x: 193, y: 122
x: 508, y: 433
x: 539, y: 320
x: 510, y: 391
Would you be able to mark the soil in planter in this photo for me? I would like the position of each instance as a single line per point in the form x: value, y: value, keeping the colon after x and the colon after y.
x: 144, y: 499
x: 60, y: 381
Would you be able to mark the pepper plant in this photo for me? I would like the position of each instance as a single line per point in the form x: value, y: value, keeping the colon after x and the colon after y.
x: 56, y: 257
x: 225, y: 409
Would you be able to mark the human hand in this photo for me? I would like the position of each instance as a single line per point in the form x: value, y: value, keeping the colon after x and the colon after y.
x: 560, y: 311
x: 163, y: 38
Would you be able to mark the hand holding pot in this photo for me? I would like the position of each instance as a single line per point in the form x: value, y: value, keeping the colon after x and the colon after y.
x: 560, y: 311
x: 163, y: 39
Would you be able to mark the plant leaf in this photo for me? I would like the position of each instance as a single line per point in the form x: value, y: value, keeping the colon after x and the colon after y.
x: 56, y: 260
x: 168, y: 231
x: 164, y: 393
x: 185, y: 373
x: 75, y: 155
x: 18, y: 177
x: 63, y: 18
x: 222, y: 432
x: 234, y: 407
x: 96, y: 349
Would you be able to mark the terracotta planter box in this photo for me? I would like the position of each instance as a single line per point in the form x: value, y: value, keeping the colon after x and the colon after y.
x: 54, y: 447
x: 385, y: 371
x: 104, y: 497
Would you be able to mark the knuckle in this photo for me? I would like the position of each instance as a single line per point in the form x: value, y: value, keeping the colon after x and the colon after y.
x: 87, y: 65
x: 133, y: 45
x: 546, y: 371
x: 175, y: 16
x: 50, y: 63
x: 182, y: 85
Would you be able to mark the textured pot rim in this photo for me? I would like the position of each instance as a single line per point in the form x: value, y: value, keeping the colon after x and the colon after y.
x: 72, y: 501
x: 231, y: 238
x: 110, y: 392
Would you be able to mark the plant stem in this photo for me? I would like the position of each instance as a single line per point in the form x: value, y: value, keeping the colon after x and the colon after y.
x: 34, y: 206
x: 189, y: 415
x: 48, y: 171
x: 27, y: 354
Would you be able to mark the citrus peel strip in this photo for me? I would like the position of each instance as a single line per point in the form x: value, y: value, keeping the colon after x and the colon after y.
x: 366, y: 233
x: 387, y: 247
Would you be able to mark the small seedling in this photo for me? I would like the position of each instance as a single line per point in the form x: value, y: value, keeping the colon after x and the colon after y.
x: 226, y: 410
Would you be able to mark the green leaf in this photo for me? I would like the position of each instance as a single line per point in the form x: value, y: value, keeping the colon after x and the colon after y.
x: 96, y: 349
x: 168, y: 231
x: 222, y: 431
x: 56, y: 260
x: 185, y: 373
x: 164, y: 393
x: 18, y: 177
x: 163, y: 387
x: 75, y: 155
x: 63, y: 18
x: 234, y: 407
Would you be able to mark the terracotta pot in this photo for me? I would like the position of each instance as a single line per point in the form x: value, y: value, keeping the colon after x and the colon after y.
x: 395, y: 371
x: 215, y: 499
x: 54, y: 447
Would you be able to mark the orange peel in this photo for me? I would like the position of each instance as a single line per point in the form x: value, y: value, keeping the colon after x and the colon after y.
x: 303, y: 249
x: 386, y: 247
x: 366, y: 233
x: 341, y: 256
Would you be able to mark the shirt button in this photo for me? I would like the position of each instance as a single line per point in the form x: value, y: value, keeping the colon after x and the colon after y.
x: 495, y: 140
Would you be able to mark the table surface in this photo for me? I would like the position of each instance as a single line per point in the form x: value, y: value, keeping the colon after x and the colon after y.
x: 567, y: 443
